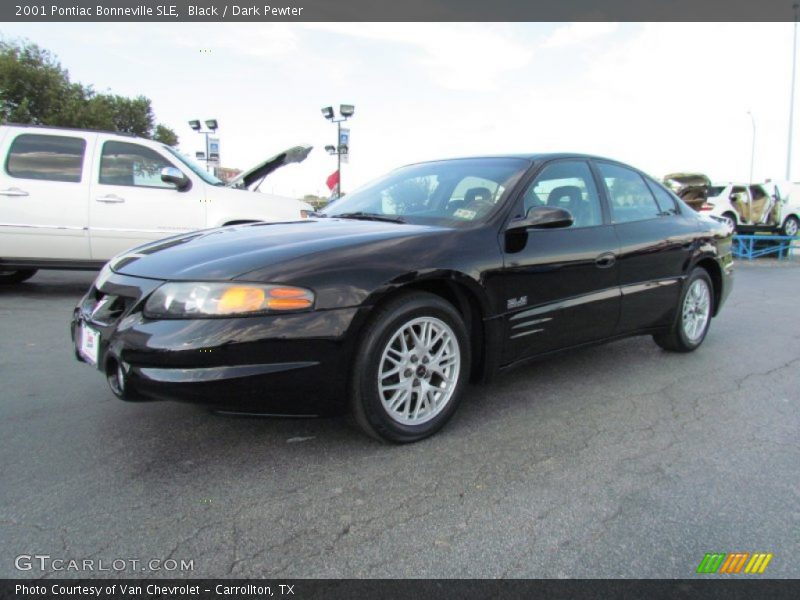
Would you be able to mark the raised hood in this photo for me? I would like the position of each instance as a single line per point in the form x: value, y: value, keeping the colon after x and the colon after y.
x: 230, y: 252
x: 692, y: 188
x: 246, y: 179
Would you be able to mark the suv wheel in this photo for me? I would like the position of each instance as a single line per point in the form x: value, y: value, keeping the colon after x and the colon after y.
x: 17, y: 276
x: 790, y: 226
x: 731, y: 219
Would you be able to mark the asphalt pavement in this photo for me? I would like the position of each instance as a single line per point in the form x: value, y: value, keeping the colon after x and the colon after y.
x: 615, y: 461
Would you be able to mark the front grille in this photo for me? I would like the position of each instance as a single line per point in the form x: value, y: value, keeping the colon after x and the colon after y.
x: 106, y: 309
x: 109, y: 309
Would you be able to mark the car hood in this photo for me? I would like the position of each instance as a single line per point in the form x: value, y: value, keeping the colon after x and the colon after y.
x: 233, y: 252
x: 296, y: 154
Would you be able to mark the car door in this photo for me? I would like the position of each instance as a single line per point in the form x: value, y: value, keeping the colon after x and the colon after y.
x: 130, y: 205
x: 656, y: 245
x: 561, y: 284
x: 43, y: 195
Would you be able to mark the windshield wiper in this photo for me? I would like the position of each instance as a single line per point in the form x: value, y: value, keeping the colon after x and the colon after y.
x: 368, y: 216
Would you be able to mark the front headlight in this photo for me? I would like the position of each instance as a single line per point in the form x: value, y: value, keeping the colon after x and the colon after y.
x: 201, y: 299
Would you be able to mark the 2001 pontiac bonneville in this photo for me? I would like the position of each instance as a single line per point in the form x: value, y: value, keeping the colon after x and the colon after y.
x: 395, y: 296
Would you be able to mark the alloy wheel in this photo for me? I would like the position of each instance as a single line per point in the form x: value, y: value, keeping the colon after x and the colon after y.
x: 418, y: 370
x: 696, y: 310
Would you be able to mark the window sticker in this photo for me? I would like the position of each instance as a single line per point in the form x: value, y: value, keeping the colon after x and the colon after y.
x: 465, y: 214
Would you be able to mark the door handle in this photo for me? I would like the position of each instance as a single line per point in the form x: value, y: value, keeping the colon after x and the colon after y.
x: 604, y: 261
x: 110, y: 199
x: 13, y: 192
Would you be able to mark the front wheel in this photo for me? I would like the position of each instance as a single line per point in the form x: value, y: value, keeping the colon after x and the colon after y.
x: 791, y: 226
x: 411, y: 367
x: 17, y: 276
x: 694, y: 315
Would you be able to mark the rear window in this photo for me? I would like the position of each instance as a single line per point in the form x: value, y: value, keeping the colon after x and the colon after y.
x: 715, y: 190
x: 630, y: 198
x: 46, y: 157
x: 665, y: 201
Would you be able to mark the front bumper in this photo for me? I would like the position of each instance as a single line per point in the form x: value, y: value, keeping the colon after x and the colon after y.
x: 292, y: 364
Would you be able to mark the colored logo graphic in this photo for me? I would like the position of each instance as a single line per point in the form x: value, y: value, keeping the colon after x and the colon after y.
x: 719, y: 562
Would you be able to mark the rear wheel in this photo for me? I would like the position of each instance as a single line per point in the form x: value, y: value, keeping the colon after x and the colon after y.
x: 411, y: 368
x: 791, y: 226
x: 17, y: 276
x: 730, y: 218
x: 694, y: 315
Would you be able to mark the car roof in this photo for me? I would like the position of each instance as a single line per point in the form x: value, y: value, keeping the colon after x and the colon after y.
x: 532, y: 157
x: 77, y: 129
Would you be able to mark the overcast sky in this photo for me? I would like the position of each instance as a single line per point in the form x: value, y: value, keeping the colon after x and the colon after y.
x: 664, y: 97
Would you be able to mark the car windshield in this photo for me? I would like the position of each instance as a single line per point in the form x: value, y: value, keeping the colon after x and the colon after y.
x: 448, y: 192
x: 715, y: 190
x: 195, y: 168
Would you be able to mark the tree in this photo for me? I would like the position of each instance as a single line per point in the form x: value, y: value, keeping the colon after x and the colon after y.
x: 33, y: 86
x: 35, y: 89
x: 165, y: 135
x: 316, y: 201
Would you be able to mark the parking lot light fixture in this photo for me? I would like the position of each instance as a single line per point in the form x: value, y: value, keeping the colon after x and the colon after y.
x: 753, y: 146
x: 346, y: 111
x: 212, y: 125
x: 795, y: 6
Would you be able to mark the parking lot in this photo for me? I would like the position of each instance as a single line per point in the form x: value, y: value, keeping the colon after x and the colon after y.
x: 617, y: 461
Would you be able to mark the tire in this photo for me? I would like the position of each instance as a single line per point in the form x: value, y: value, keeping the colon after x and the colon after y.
x: 790, y: 226
x: 9, y: 277
x: 731, y: 218
x: 694, y: 315
x: 409, y: 401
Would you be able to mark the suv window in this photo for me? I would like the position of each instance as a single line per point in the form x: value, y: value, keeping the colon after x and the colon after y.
x: 567, y: 184
x: 123, y: 163
x: 47, y: 157
x: 665, y: 200
x: 629, y: 196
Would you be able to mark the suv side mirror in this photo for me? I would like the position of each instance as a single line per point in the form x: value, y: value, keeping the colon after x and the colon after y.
x: 542, y: 217
x: 176, y: 178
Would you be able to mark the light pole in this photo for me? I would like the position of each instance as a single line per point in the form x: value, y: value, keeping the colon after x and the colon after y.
x: 212, y: 125
x: 753, y: 146
x: 795, y: 6
x: 346, y: 111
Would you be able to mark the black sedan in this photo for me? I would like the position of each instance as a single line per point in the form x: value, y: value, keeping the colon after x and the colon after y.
x: 389, y: 301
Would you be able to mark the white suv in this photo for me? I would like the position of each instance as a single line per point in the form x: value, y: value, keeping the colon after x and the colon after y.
x: 751, y: 208
x: 72, y: 199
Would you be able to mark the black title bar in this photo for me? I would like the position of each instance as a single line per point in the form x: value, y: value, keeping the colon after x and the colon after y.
x: 393, y: 589
x: 395, y: 10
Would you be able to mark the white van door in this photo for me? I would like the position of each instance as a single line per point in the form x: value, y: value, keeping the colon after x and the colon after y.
x: 129, y: 203
x: 43, y: 195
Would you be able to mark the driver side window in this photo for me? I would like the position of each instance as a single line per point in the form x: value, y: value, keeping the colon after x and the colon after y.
x: 567, y: 184
x: 123, y: 163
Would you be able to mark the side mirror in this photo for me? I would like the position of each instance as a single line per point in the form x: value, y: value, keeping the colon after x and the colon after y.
x: 176, y: 178
x: 542, y: 217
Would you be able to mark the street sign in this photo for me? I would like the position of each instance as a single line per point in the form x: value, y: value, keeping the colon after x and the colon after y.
x: 213, y: 150
x: 344, y: 144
